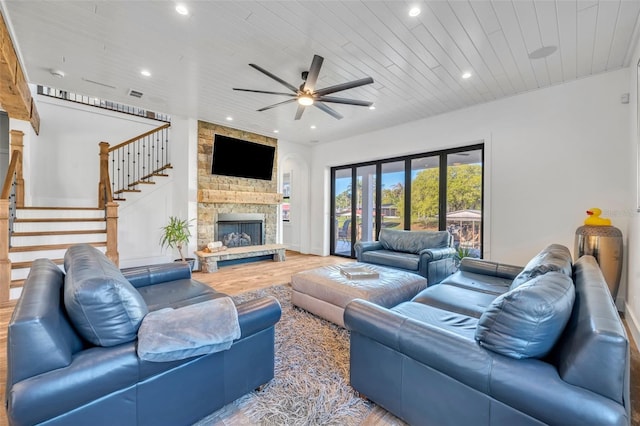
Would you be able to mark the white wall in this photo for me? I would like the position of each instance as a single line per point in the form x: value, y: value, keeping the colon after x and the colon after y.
x: 632, y: 308
x: 64, y: 157
x: 550, y: 155
x: 294, y: 159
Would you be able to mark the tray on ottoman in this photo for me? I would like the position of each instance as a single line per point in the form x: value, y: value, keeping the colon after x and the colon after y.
x: 327, y: 290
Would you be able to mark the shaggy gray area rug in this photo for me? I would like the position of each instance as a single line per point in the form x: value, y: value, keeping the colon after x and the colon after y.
x: 311, y: 383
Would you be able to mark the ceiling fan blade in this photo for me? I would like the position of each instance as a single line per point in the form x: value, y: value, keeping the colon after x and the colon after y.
x: 344, y: 86
x: 276, y: 78
x: 299, y: 112
x: 335, y: 100
x: 278, y: 104
x: 332, y: 112
x: 264, y: 91
x: 312, y: 76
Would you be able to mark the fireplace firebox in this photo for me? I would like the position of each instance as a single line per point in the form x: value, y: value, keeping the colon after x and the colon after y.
x: 240, y: 229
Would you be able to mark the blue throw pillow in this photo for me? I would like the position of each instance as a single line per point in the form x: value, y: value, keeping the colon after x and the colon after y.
x: 526, y: 322
x: 103, y: 306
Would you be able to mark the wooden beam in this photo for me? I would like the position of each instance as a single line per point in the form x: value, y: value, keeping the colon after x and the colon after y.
x: 238, y: 197
x: 15, y: 96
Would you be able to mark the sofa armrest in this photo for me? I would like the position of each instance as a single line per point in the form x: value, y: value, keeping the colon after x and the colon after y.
x: 141, y: 276
x: 430, y: 254
x: 362, y: 246
x: 451, y: 354
x: 257, y: 315
x: 487, y: 267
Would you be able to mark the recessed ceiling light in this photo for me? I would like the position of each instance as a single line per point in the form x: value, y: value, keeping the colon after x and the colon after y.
x: 414, y: 11
x: 313, y: 126
x: 145, y: 73
x: 182, y: 9
x: 229, y: 118
x: 372, y: 107
x: 57, y: 73
x: 466, y: 75
x: 542, y: 52
x: 276, y: 131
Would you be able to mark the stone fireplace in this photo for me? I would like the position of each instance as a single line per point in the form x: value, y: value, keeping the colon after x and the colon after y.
x: 240, y: 229
x: 221, y: 197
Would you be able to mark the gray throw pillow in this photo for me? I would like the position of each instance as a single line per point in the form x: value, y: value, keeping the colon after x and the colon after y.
x: 103, y: 306
x: 526, y: 322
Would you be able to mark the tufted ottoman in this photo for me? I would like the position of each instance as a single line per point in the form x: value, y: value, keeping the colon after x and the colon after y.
x: 326, y: 291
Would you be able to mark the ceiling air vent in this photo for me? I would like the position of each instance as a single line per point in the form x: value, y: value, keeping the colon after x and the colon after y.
x: 135, y: 93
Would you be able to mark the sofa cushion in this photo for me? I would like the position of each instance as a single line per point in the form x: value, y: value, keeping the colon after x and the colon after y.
x: 527, y: 321
x: 413, y: 241
x: 103, y: 306
x: 478, y: 282
x: 393, y: 259
x: 455, y: 299
x: 554, y: 257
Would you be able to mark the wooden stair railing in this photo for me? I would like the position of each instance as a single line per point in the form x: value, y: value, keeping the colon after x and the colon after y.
x: 136, y: 161
x: 8, y: 204
x: 125, y: 166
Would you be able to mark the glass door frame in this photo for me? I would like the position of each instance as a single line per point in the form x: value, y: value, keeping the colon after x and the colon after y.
x: 442, y: 188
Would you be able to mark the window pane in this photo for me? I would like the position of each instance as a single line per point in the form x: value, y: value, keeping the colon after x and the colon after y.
x: 343, y: 212
x: 366, y: 203
x: 464, y: 200
x: 393, y: 195
x: 425, y: 187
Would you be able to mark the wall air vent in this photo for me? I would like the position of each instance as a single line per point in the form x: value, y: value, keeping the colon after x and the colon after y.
x: 135, y: 93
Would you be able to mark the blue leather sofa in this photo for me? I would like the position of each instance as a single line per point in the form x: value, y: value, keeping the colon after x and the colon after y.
x: 498, y: 345
x: 56, y: 376
x: 427, y: 253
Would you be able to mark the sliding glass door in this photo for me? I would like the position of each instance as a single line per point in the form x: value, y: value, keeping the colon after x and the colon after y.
x: 432, y: 191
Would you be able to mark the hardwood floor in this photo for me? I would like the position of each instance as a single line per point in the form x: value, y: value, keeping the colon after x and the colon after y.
x: 250, y: 276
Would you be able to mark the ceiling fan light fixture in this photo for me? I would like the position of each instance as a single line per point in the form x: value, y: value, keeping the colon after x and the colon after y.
x: 305, y: 100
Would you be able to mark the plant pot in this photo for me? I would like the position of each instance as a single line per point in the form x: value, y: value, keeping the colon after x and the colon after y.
x: 190, y: 260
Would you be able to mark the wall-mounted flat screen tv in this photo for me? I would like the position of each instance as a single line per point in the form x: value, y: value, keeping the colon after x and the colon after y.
x: 240, y: 158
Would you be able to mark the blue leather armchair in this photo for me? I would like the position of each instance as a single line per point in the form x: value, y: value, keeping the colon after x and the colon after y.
x: 55, y: 376
x: 427, y: 253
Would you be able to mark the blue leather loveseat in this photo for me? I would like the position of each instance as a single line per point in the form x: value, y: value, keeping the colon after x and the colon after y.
x: 56, y: 376
x: 498, y: 344
x: 427, y: 253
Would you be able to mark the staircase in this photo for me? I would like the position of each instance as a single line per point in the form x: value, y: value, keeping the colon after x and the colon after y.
x: 48, y: 232
x: 29, y: 233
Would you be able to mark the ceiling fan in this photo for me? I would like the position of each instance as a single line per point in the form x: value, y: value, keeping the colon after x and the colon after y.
x: 307, y: 95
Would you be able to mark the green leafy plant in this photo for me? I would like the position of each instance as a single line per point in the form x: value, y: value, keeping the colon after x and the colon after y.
x: 462, y: 252
x: 176, y: 234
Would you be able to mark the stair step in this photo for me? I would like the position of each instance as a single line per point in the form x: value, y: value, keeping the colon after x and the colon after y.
x: 16, y: 283
x: 52, y: 247
x: 142, y: 182
x: 21, y: 265
x: 58, y: 208
x: 120, y: 191
x: 58, y: 219
x: 119, y: 199
x: 74, y: 232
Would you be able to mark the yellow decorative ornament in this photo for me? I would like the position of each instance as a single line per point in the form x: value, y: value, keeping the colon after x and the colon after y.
x: 594, y: 218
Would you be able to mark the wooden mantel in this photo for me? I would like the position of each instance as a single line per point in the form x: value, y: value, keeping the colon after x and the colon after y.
x: 15, y: 95
x: 238, y: 197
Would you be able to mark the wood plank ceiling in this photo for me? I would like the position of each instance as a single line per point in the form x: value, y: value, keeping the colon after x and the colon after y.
x: 416, y: 62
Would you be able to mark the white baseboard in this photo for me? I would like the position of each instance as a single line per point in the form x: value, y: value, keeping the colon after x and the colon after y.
x: 632, y: 323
